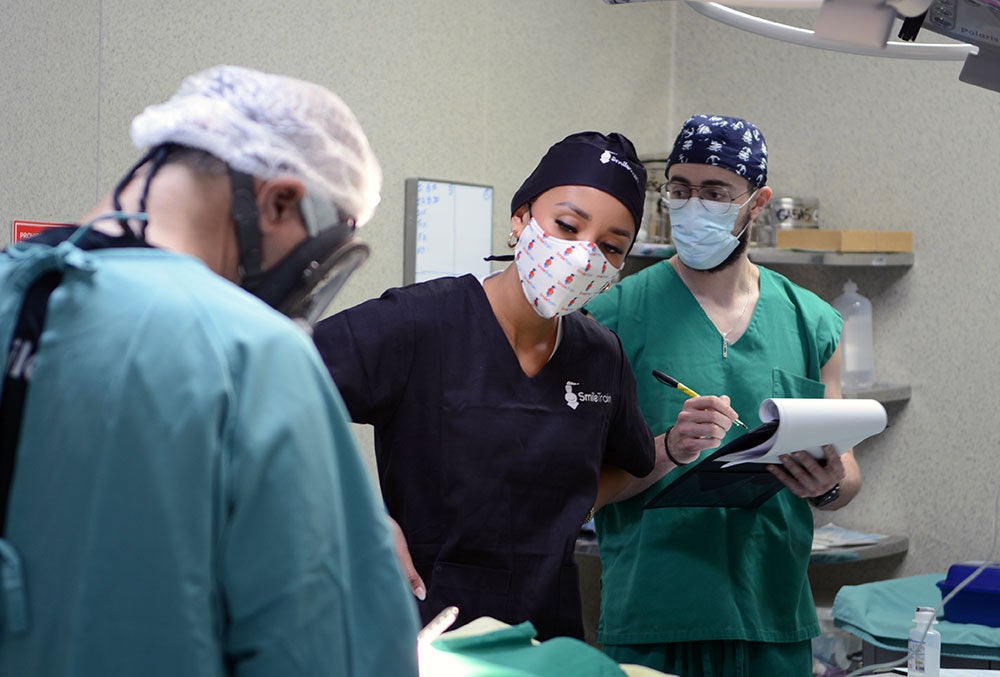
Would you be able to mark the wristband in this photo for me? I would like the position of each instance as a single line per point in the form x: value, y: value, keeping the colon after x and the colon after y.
x: 827, y: 498
x: 666, y: 448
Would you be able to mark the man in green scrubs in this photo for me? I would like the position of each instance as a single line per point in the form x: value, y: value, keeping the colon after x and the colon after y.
x: 718, y: 591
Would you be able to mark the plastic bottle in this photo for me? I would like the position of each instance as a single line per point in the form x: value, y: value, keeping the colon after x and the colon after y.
x: 857, y: 370
x: 924, y: 657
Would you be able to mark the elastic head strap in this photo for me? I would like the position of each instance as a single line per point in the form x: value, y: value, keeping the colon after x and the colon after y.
x: 157, y: 156
x: 247, y: 218
x: 125, y: 180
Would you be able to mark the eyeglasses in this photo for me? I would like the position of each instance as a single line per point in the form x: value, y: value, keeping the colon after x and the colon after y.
x: 715, y: 199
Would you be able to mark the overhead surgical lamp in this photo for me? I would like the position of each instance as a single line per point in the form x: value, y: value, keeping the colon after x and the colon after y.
x: 863, y: 27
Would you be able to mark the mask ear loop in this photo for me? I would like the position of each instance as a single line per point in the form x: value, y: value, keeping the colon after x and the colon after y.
x: 747, y: 224
x: 247, y: 218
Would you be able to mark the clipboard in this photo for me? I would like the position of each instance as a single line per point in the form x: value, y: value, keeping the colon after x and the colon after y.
x: 807, y: 424
x: 708, y: 484
x: 736, y: 475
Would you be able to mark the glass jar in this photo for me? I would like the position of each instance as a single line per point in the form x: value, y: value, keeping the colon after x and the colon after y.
x: 655, y: 227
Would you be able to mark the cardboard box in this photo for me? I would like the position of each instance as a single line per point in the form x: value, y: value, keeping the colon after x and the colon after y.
x: 894, y: 240
x: 826, y: 239
x: 831, y: 240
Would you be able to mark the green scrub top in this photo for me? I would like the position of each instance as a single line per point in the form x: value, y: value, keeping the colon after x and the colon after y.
x: 689, y: 574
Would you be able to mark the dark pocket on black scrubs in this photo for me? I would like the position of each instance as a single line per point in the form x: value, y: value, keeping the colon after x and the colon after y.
x: 475, y: 590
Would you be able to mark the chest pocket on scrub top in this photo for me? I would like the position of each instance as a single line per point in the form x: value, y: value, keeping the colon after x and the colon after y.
x: 787, y: 384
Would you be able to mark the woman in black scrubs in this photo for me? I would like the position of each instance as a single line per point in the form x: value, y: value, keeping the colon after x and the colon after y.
x: 496, y: 406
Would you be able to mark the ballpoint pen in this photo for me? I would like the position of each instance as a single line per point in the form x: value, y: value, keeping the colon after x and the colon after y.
x: 674, y: 383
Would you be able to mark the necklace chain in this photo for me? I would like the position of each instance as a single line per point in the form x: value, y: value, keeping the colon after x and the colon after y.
x: 725, y: 334
x: 746, y: 304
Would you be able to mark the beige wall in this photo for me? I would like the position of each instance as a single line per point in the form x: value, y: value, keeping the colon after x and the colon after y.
x: 475, y: 90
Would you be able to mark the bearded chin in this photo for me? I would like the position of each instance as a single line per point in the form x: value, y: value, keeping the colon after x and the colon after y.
x: 740, y: 248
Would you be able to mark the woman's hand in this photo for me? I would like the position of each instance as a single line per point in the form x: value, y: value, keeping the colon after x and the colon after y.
x: 405, y: 561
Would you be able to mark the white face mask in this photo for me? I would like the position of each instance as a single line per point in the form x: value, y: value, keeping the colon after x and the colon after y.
x: 703, y: 239
x: 559, y: 276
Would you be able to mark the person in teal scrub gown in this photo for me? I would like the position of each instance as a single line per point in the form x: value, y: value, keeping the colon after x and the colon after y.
x: 181, y: 490
x: 718, y: 592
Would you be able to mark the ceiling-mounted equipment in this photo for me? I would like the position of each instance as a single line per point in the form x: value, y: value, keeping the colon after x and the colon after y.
x: 863, y: 27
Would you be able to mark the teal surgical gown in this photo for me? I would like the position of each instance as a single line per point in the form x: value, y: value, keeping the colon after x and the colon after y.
x: 188, y: 498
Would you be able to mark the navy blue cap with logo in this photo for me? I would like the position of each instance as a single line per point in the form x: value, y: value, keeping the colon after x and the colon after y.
x: 607, y: 162
x: 722, y: 141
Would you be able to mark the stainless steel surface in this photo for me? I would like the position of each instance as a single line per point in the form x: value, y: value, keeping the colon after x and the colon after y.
x: 438, y: 625
x: 795, y: 212
x: 655, y: 227
x: 785, y: 212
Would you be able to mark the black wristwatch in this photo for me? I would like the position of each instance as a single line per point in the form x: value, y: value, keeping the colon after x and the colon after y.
x: 827, y: 498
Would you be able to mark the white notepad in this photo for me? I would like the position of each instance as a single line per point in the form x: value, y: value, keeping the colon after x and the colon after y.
x: 808, y: 424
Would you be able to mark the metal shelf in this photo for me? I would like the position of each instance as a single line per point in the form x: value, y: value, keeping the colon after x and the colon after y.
x: 883, y: 392
x: 775, y: 256
x: 587, y: 546
x: 885, y: 547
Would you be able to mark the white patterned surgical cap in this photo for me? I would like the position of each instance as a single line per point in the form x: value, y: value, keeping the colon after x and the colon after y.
x: 269, y: 126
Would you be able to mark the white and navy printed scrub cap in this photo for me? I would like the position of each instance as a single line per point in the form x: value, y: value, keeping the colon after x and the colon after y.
x: 268, y: 126
x: 722, y: 141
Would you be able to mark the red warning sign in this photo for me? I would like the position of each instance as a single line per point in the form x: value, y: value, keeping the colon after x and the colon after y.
x: 25, y: 230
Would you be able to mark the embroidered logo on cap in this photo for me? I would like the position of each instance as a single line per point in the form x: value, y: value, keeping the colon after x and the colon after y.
x: 607, y: 156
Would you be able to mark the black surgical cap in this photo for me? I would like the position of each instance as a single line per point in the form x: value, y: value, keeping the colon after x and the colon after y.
x: 606, y: 162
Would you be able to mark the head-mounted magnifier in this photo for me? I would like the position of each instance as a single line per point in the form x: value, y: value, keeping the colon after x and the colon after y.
x: 303, y: 284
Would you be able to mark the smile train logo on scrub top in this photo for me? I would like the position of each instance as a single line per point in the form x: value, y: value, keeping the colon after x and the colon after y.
x: 573, y: 400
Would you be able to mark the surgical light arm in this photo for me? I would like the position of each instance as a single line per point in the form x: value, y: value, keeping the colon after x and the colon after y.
x: 863, y: 27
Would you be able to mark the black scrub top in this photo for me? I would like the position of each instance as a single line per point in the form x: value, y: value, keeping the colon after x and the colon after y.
x: 488, y: 472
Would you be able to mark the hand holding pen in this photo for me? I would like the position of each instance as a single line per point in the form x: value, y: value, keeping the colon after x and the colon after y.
x: 701, y: 423
x: 674, y: 383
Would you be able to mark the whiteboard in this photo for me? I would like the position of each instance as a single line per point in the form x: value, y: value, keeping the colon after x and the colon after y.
x: 448, y: 229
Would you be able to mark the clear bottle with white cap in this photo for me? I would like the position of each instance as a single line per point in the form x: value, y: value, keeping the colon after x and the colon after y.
x: 924, y: 650
x: 857, y: 369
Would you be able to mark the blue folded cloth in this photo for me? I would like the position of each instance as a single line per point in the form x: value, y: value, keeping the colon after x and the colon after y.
x: 881, y: 613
